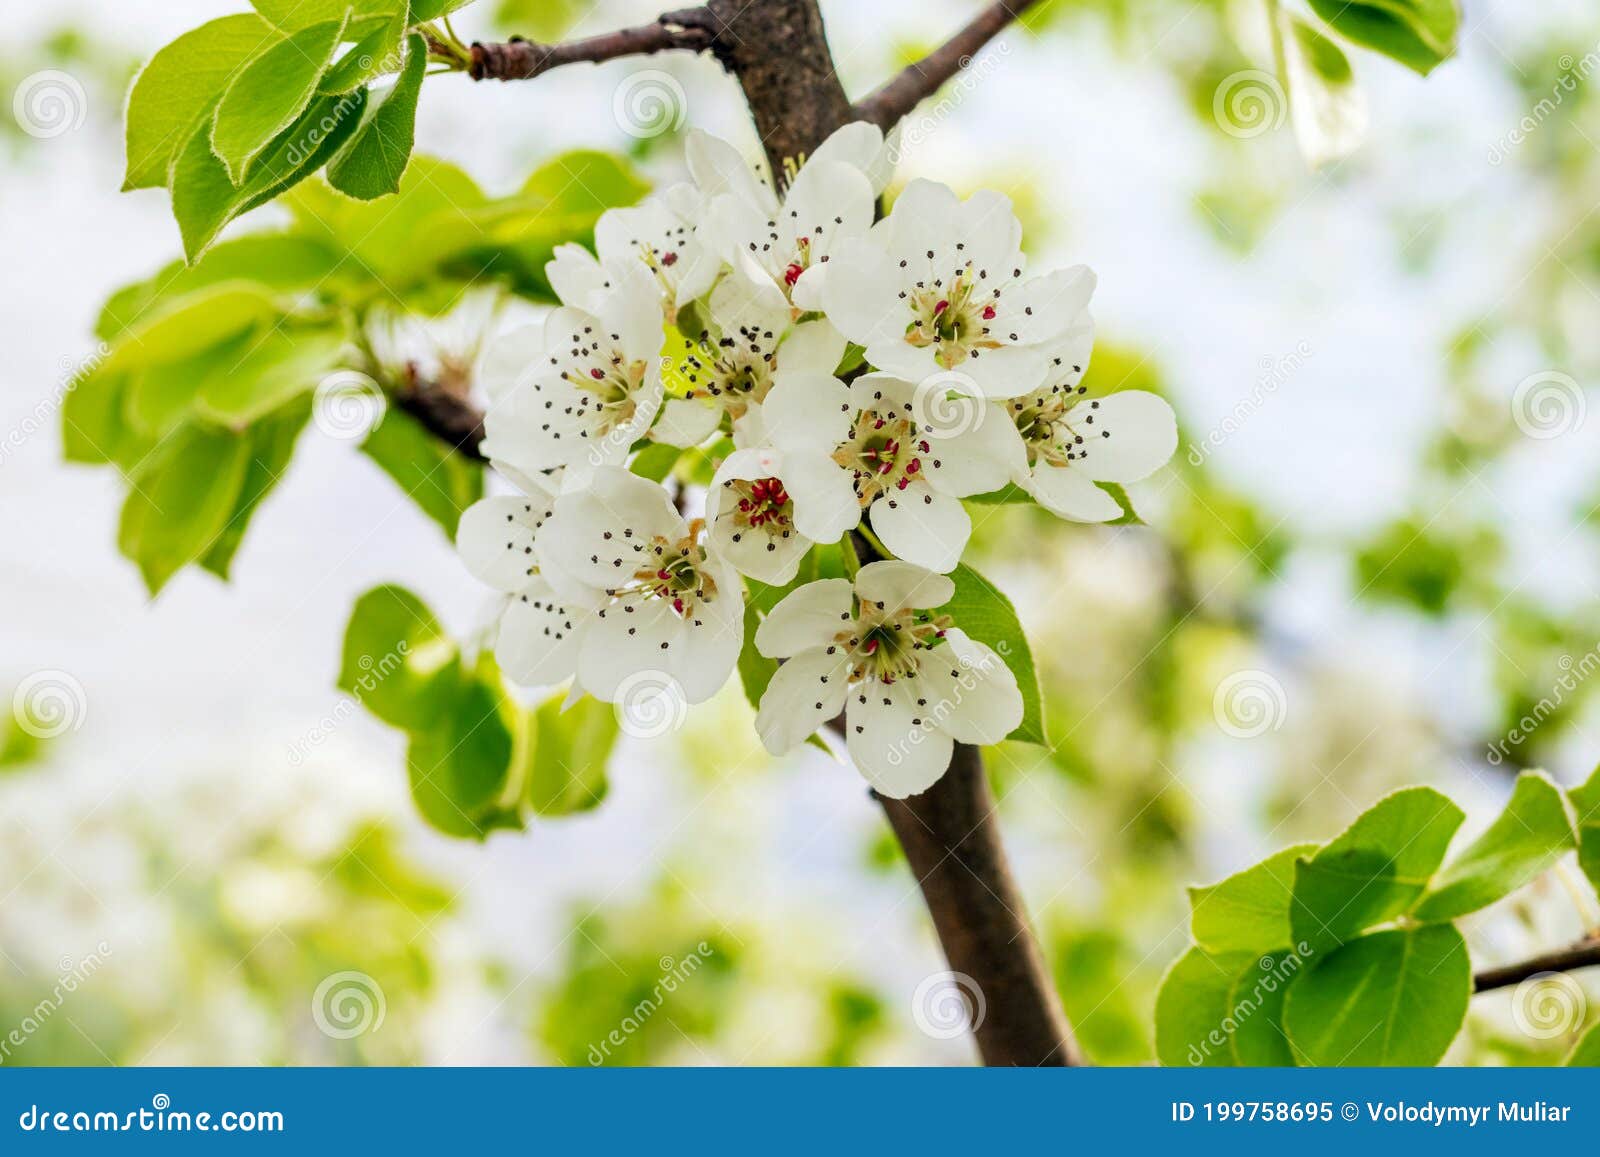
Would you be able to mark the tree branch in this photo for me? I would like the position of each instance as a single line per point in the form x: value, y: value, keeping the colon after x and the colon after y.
x: 444, y: 413
x: 691, y: 30
x: 1583, y: 954
x: 899, y: 96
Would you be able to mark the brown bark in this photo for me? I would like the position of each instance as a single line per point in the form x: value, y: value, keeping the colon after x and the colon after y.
x: 1584, y: 954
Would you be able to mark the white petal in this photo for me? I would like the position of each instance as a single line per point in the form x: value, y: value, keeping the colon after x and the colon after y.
x: 575, y: 274
x: 987, y: 453
x: 974, y: 697
x: 630, y: 311
x: 626, y: 641
x: 861, y: 295
x: 1069, y: 353
x: 603, y: 533
x: 824, y: 495
x: 717, y: 167
x: 1143, y: 435
x: 807, y: 412
x: 896, y: 754
x: 808, y: 617
x: 495, y: 539
x: 1071, y: 494
x: 859, y: 144
x: 896, y: 585
x: 992, y: 234
x: 812, y: 347
x: 1043, y: 308
x: 827, y: 203
x: 539, y: 638
x: 685, y: 423
x: 1007, y: 372
x: 922, y: 526
x: 805, y: 692
x: 926, y: 216
x: 712, y: 638
x: 508, y: 358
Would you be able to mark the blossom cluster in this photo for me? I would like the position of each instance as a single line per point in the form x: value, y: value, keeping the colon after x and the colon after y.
x: 842, y: 375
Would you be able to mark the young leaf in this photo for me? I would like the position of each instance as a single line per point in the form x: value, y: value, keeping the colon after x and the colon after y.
x: 1586, y: 1053
x: 397, y: 661
x: 1129, y: 516
x: 459, y: 767
x: 180, y: 502
x: 194, y: 324
x: 1325, y: 103
x: 1585, y: 801
x: 1531, y: 834
x: 1390, y: 998
x: 271, y: 444
x: 295, y: 14
x: 1248, y: 911
x: 93, y: 426
x: 371, y: 164
x: 1224, y: 1009
x: 984, y: 613
x: 380, y: 51
x: 1420, y: 34
x: 1373, y: 871
x: 180, y: 85
x: 270, y: 369
x: 269, y: 94
x: 566, y: 755
x: 440, y: 481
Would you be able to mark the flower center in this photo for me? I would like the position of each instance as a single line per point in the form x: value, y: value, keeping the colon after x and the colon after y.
x: 883, y: 454
x: 678, y: 575
x: 609, y: 392
x: 733, y: 373
x: 1053, y: 429
x: 953, y: 319
x: 892, y: 645
x: 762, y: 503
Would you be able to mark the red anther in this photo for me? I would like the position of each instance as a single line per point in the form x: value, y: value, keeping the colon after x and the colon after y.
x: 669, y: 259
x: 902, y: 484
x: 792, y: 274
x: 677, y: 605
x: 872, y: 646
x: 940, y: 306
x: 597, y: 373
x: 662, y: 575
x: 988, y: 313
x: 924, y: 447
x: 914, y: 465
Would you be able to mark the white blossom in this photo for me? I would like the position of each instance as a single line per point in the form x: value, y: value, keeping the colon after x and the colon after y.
x: 910, y: 684
x: 659, y: 233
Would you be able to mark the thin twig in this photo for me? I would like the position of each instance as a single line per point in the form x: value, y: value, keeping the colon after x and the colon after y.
x: 894, y: 100
x: 692, y: 30
x: 1583, y: 954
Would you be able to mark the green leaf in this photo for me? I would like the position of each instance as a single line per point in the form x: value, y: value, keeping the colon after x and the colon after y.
x: 1390, y: 998
x: 984, y: 613
x: 565, y: 755
x: 397, y: 660
x: 271, y: 368
x: 1129, y: 516
x: 1224, y: 1009
x: 1248, y: 911
x: 655, y: 461
x: 93, y: 428
x: 270, y: 94
x: 180, y: 501
x: 1325, y: 103
x: 1373, y: 871
x: 440, y: 481
x: 1585, y: 801
x: 432, y: 9
x: 204, y: 198
x: 375, y: 158
x: 194, y: 324
x: 1420, y: 34
x: 376, y: 53
x: 1529, y: 836
x: 1586, y: 1053
x: 586, y: 181
x: 271, y: 446
x: 458, y: 768
x: 1109, y: 1018
x: 295, y: 14
x: 180, y: 85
